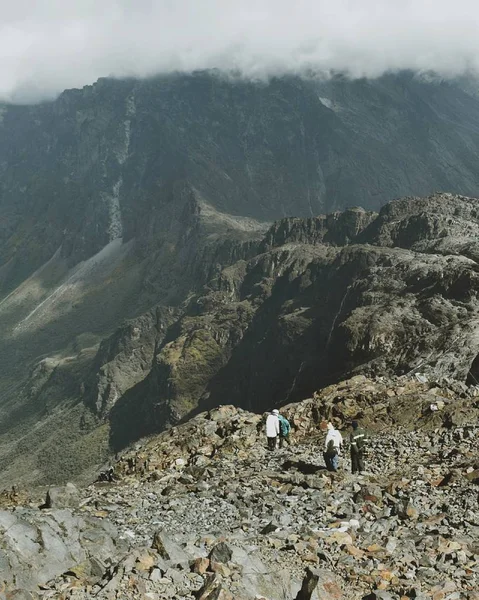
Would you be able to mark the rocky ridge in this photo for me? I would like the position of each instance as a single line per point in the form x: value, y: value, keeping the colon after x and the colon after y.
x: 208, y: 512
x: 274, y: 315
x: 321, y: 299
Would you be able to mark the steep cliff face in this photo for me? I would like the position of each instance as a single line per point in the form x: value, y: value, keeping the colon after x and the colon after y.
x: 300, y: 315
x: 120, y: 159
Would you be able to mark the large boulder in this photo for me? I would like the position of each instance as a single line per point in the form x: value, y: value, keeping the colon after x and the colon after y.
x: 65, y: 496
x: 37, y: 547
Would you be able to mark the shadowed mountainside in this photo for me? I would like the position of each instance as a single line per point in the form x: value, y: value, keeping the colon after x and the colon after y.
x: 302, y: 305
x: 119, y: 159
x: 397, y: 297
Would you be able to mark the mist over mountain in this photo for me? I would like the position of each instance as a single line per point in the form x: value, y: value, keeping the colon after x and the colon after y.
x: 55, y: 45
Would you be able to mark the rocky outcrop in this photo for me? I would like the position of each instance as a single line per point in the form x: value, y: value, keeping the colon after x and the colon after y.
x: 335, y: 229
x: 276, y: 316
x: 124, y: 359
x: 298, y: 316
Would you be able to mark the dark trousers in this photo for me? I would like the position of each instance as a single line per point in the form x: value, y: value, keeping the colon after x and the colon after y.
x: 284, y: 439
x: 271, y: 443
x: 331, y: 461
x: 357, y: 462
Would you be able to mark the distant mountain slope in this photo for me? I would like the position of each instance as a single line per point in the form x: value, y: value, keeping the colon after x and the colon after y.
x: 111, y: 160
x: 140, y: 272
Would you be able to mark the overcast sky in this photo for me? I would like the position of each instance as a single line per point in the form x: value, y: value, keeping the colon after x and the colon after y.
x: 49, y: 45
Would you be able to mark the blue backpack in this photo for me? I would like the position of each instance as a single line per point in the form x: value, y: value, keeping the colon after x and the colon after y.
x: 284, y: 426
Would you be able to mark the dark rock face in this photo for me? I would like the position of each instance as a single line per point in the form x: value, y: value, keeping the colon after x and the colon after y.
x: 120, y: 158
x: 300, y: 315
x: 220, y: 553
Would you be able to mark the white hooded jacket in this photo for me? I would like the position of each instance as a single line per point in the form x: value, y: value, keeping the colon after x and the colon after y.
x: 335, y: 436
x: 272, y: 426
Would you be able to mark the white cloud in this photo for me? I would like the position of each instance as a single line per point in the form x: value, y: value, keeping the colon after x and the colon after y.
x: 49, y: 45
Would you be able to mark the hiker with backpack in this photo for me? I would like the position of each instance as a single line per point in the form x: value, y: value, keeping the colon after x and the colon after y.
x: 358, y: 441
x: 272, y: 428
x: 284, y: 429
x: 332, y: 447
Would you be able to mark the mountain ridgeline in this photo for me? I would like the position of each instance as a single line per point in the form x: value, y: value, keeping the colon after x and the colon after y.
x: 161, y: 252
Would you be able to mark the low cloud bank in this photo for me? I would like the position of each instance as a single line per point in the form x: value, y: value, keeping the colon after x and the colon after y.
x: 57, y: 44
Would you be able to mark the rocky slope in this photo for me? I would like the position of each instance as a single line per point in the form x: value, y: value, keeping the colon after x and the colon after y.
x: 276, y: 315
x: 205, y: 511
x: 322, y: 298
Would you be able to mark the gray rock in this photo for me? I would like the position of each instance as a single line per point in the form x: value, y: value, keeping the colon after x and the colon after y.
x: 66, y: 496
x: 169, y: 550
x: 41, y: 546
x: 220, y: 553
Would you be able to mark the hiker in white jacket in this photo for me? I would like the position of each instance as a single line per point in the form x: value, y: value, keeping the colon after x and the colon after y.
x: 332, y: 447
x: 272, y: 428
